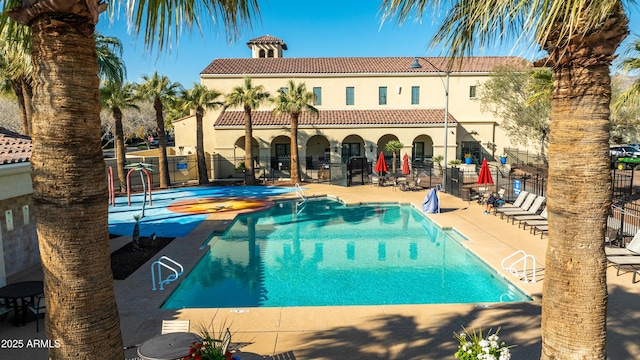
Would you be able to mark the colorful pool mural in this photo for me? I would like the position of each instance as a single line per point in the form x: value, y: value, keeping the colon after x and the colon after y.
x: 177, y: 212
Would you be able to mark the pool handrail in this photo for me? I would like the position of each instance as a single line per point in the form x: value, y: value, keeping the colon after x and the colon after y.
x: 170, y: 278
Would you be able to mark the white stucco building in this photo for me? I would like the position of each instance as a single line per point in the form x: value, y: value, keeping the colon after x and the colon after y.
x: 363, y: 103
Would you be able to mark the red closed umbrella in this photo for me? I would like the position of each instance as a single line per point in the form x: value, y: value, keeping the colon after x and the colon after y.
x: 484, y: 177
x: 381, y: 165
x: 405, y: 165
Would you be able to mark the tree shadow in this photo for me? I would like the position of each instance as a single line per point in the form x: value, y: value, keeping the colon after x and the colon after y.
x: 400, y: 336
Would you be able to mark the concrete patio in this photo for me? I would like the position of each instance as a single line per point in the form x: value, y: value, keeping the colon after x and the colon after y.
x: 364, y: 332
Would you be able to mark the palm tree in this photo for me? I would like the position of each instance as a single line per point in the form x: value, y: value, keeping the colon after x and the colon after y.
x: 293, y: 101
x: 394, y: 146
x: 160, y: 90
x: 110, y: 64
x: 116, y: 97
x: 580, y: 39
x: 630, y: 97
x: 67, y: 166
x: 200, y: 98
x: 249, y: 97
x: 15, y: 65
x: 16, y: 69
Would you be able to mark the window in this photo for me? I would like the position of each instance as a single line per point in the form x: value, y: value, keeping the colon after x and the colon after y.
x: 382, y: 95
x: 350, y: 96
x: 317, y: 91
x: 270, y: 53
x: 415, y: 95
x: 284, y: 90
x: 418, y: 151
x: 472, y: 92
x: 261, y: 53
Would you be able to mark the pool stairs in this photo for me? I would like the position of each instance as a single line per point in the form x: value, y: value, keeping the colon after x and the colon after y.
x: 169, y: 264
x: 520, y: 257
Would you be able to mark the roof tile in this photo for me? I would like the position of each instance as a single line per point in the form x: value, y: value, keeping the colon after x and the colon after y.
x: 14, y: 147
x: 267, y: 39
x: 264, y: 118
x: 355, y: 65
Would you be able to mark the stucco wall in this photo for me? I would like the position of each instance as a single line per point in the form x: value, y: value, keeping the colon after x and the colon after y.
x: 18, y: 238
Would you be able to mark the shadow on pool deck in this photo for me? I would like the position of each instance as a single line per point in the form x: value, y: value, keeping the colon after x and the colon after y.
x: 366, y: 332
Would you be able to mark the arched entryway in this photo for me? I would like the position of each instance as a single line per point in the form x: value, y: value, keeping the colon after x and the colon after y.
x: 281, y: 153
x: 318, y: 150
x: 239, y: 152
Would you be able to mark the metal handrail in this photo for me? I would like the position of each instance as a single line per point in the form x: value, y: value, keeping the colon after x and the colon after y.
x: 170, y: 277
x: 523, y: 260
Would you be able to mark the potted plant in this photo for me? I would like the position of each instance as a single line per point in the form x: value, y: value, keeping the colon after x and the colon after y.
x: 473, y: 345
x: 503, y: 159
x: 467, y: 158
x: 455, y: 162
x: 438, y: 161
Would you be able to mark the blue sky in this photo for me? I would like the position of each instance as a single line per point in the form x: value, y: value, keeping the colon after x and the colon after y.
x: 329, y: 28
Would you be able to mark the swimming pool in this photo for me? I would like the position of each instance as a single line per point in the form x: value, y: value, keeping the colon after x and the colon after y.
x: 324, y: 253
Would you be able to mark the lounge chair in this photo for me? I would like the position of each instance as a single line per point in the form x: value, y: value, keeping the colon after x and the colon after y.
x: 632, y: 248
x: 533, y: 209
x: 520, y: 200
x: 623, y: 260
x: 526, y: 208
x: 541, y: 228
x: 522, y: 219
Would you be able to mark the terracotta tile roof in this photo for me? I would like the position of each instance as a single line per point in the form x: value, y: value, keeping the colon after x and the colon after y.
x: 267, y: 39
x: 14, y: 147
x: 353, y: 65
x: 395, y: 117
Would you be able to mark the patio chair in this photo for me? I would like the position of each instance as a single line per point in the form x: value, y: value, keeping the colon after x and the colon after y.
x: 38, y: 307
x: 522, y: 219
x: 171, y: 326
x: 522, y: 210
x: 5, y: 308
x: 632, y: 248
x: 519, y: 200
x: 522, y: 197
x: 543, y: 229
x: 532, y: 210
x: 626, y: 261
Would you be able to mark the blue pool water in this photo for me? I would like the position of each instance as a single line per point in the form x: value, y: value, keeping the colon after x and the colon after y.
x: 330, y: 254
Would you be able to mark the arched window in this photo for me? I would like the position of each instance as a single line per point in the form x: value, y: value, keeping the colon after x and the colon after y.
x: 270, y: 53
x: 261, y: 53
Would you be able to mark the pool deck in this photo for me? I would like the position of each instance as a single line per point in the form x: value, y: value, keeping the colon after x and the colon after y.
x: 365, y: 332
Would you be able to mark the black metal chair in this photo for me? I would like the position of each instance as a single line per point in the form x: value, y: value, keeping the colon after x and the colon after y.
x: 38, y: 307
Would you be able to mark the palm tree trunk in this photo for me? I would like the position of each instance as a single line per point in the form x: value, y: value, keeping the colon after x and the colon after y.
x: 70, y: 192
x: 579, y: 195
x: 295, y: 162
x: 249, y: 177
x: 27, y: 90
x: 163, y: 163
x: 120, y: 150
x: 17, y: 89
x: 203, y: 176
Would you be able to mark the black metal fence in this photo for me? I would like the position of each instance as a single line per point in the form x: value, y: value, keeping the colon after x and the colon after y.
x: 622, y: 184
x: 462, y: 183
x: 623, y: 222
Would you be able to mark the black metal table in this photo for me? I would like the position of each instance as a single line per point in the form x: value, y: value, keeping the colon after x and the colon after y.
x: 169, y: 346
x: 25, y: 292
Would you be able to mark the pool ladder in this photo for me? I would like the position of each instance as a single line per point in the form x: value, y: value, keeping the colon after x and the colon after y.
x: 169, y: 264
x: 301, y: 204
x: 523, y: 258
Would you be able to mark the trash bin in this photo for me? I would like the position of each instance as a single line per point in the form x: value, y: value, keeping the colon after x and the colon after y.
x: 465, y: 194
